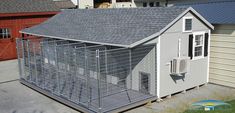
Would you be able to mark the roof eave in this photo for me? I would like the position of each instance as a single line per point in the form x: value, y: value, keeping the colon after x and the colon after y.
x: 118, y: 45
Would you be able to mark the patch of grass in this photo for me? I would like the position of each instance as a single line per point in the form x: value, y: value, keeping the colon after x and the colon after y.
x: 232, y: 110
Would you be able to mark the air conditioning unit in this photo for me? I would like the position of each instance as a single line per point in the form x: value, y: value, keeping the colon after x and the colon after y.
x: 179, y: 65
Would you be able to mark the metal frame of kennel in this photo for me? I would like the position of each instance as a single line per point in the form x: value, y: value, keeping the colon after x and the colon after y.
x: 88, y: 77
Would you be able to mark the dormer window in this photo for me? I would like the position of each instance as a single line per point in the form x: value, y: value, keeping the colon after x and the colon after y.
x: 187, y: 24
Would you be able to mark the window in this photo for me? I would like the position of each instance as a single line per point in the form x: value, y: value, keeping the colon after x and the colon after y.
x: 187, y: 24
x: 151, y: 4
x: 144, y: 4
x: 198, y: 45
x: 157, y: 4
x: 5, y: 33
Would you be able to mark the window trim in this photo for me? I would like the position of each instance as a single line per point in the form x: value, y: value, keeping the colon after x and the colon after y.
x: 184, y: 20
x: 194, y: 45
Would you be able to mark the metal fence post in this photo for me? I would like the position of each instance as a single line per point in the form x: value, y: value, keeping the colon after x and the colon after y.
x: 29, y: 65
x: 130, y: 61
x: 42, y: 65
x: 87, y: 76
x: 106, y: 69
x: 57, y: 69
x: 23, y: 57
x: 35, y: 61
x: 98, y: 79
x: 18, y: 55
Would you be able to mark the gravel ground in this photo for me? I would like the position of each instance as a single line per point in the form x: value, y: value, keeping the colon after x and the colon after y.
x: 180, y: 102
x: 17, y: 98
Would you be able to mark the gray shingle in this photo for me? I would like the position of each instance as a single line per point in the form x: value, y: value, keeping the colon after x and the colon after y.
x: 65, y: 4
x: 112, y: 26
x: 17, y: 6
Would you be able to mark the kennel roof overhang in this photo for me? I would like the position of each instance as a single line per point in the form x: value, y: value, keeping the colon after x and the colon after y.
x: 126, y: 27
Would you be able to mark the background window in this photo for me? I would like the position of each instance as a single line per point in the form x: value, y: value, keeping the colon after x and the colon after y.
x: 188, y: 25
x: 151, y: 4
x: 144, y: 4
x: 5, y: 33
x: 157, y: 4
x: 123, y: 0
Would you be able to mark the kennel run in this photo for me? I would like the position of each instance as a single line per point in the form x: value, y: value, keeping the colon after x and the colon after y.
x: 110, y: 60
x: 94, y: 78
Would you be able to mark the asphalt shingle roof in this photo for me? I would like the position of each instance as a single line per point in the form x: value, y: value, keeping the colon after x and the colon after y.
x: 110, y: 26
x: 65, y: 4
x: 18, y: 6
x: 217, y: 12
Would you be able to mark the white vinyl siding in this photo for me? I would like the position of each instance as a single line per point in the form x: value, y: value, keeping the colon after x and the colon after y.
x: 222, y: 60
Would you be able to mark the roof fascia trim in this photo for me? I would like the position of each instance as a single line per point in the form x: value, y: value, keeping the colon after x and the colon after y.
x: 118, y: 45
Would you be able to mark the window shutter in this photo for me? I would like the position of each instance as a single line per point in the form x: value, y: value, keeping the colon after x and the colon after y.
x: 190, y: 47
x: 206, y: 45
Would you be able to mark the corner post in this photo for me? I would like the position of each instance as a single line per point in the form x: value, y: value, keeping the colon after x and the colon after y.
x: 130, y: 63
x: 18, y: 55
x: 98, y: 79
x: 106, y: 70
x: 29, y: 65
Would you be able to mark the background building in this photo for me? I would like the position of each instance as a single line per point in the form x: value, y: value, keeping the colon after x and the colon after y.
x: 19, y: 14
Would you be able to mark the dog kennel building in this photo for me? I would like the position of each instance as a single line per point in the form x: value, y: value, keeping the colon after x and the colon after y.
x: 110, y: 60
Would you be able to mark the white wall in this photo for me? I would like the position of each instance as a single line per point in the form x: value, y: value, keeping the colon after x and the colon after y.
x: 82, y: 4
x: 75, y: 2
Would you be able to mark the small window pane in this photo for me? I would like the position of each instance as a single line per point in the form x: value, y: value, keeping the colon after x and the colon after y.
x: 198, y: 51
x: 199, y: 39
x: 188, y: 24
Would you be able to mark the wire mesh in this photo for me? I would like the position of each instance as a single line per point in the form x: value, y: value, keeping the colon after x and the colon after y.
x: 95, y: 76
